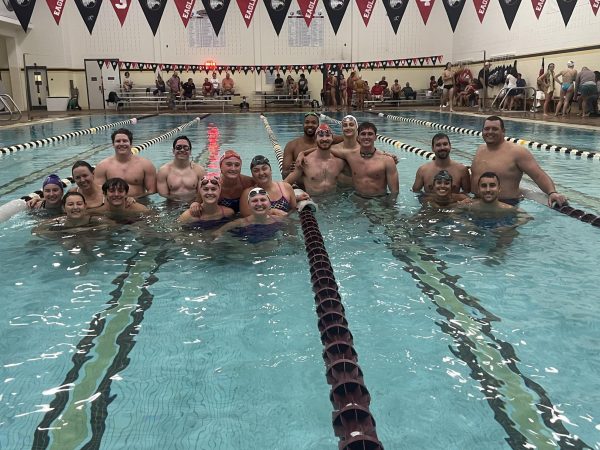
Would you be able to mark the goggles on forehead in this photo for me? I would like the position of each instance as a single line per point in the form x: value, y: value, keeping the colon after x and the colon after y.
x: 443, y: 175
x: 257, y: 191
x: 211, y: 180
x: 323, y: 133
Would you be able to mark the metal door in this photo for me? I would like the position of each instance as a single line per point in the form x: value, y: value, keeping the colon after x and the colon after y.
x: 93, y: 77
x: 37, y: 86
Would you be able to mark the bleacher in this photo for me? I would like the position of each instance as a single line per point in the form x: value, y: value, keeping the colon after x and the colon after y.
x: 143, y: 97
x: 262, y: 99
x: 386, y: 102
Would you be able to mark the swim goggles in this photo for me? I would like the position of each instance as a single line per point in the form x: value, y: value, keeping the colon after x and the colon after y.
x: 323, y: 133
x: 212, y: 180
x: 257, y: 191
x: 443, y: 175
x: 180, y: 147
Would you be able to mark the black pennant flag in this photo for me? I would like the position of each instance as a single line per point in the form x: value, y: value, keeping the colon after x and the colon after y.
x: 216, y: 11
x: 154, y: 67
x: 194, y: 68
x: 509, y: 9
x: 89, y: 12
x: 153, y: 10
x: 101, y: 62
x: 372, y: 65
x: 566, y: 9
x: 434, y: 59
x: 277, y: 10
x: 454, y: 10
x: 396, y: 62
x: 245, y: 69
x: 395, y: 11
x: 421, y: 61
x: 258, y: 69
x: 336, y: 10
x: 23, y: 10
x: 114, y: 63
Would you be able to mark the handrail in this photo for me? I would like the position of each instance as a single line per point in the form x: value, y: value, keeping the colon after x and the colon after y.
x: 11, y: 111
x: 508, y: 90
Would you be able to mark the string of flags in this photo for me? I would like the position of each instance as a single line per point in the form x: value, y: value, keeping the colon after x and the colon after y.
x: 216, y: 10
x: 422, y: 61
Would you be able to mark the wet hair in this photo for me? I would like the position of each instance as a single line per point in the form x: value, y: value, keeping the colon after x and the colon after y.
x: 125, y: 131
x: 367, y: 126
x: 82, y: 164
x: 495, y: 119
x: 439, y: 136
x: 71, y: 194
x: 115, y: 183
x: 488, y: 175
x: 178, y: 138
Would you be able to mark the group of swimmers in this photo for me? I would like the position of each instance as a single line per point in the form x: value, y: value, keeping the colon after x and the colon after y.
x: 318, y: 161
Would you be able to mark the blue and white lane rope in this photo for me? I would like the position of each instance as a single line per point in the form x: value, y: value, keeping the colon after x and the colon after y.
x: 578, y: 214
x: 63, y: 137
x: 138, y: 148
x: 524, y: 142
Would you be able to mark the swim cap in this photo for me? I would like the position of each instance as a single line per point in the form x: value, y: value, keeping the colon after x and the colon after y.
x: 259, y: 160
x: 257, y: 191
x: 324, y: 127
x: 352, y: 118
x: 229, y: 154
x: 570, y: 64
x: 443, y: 175
x: 53, y: 179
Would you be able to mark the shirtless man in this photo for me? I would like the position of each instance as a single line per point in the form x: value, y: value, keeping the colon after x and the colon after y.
x: 320, y: 169
x: 440, y: 145
x: 374, y: 174
x: 117, y: 205
x: 441, y: 195
x: 488, y: 187
x: 180, y: 179
x: 304, y: 142
x: 567, y: 88
x: 509, y: 161
x: 139, y: 172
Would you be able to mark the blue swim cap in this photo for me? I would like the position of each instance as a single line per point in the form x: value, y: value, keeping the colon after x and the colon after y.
x: 53, y: 179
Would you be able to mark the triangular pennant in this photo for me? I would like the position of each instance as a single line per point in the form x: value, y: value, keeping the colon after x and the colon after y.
x: 566, y: 9
x: 481, y: 7
x: 409, y: 62
x: 538, y: 6
x: 127, y: 65
x: 121, y: 8
x: 454, y: 10
x: 440, y: 58
x: 89, y: 10
x: 433, y: 60
x: 245, y: 69
x: 154, y: 66
x: 595, y: 5
x: 321, y: 67
x: 258, y: 69
x: 402, y: 62
x: 185, y: 8
x: 308, y: 8
x: 107, y: 63
x: 23, y: 10
x: 232, y: 69
x: 421, y: 61
x: 168, y: 67
x: 372, y: 65
x: 347, y: 67
x: 153, y: 10
x: 309, y: 69
x: 100, y: 63
x: 384, y: 64
x: 186, y: 67
x: 296, y: 69
x: 425, y: 7
x: 216, y: 11
x: 284, y: 69
x: 56, y: 9
x: 134, y: 65
x: 247, y: 8
x: 396, y: 62
x: 271, y: 69
x: 121, y: 65
x: 277, y: 10
x: 194, y: 68
x: 365, y: 7
x: 509, y: 9
x: 114, y: 63
x: 220, y: 69
x: 141, y: 66
x: 180, y: 67
x: 335, y: 11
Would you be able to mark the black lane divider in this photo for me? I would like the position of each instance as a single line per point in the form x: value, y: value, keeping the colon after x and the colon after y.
x: 353, y: 423
x: 578, y: 214
x: 524, y: 142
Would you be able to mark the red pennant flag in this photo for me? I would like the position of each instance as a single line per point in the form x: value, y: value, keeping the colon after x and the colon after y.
x: 481, y: 8
x: 107, y: 63
x: 122, y: 65
x: 56, y: 8
x: 247, y: 8
x: 425, y: 7
x: 595, y: 5
x: 185, y: 8
x: 366, y: 9
x: 538, y: 6
x: 308, y: 8
x: 121, y: 7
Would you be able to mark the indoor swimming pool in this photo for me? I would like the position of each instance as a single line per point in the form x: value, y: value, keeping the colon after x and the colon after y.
x: 149, y: 337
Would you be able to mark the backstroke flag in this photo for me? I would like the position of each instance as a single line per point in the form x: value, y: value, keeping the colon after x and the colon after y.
x: 566, y: 9
x: 395, y: 11
x: 23, y: 10
x: 453, y: 10
x: 216, y: 11
x: 335, y: 11
x: 89, y: 12
x: 56, y: 9
x: 509, y: 9
x: 153, y: 10
x: 277, y: 10
x: 247, y: 8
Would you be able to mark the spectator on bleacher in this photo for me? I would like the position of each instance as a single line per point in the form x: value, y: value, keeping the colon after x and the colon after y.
x: 279, y: 84
x: 409, y: 92
x: 189, y: 89
x: 396, y: 88
x: 206, y: 87
x: 377, y: 91
x: 227, y: 85
x: 216, y: 86
x: 469, y: 96
x: 302, y: 85
x: 174, y: 84
x: 291, y: 87
x: 244, y: 106
x: 161, y: 88
x: 383, y: 83
x: 521, y: 93
x: 127, y: 83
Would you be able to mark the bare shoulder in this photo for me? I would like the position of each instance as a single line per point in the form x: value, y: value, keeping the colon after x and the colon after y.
x: 247, y: 182
x: 146, y: 163
x: 198, y: 169
x: 165, y: 168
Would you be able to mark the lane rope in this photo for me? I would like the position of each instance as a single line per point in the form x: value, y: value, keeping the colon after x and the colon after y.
x: 524, y: 142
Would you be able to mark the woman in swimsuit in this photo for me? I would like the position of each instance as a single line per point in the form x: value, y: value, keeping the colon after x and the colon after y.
x: 52, y: 189
x: 546, y: 84
x: 212, y: 215
x: 232, y: 183
x: 281, y: 193
x: 83, y: 174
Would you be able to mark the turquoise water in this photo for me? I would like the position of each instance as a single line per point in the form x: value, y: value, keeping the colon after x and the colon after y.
x: 202, y: 347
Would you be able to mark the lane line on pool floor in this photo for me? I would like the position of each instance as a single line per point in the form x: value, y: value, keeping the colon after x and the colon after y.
x: 584, y: 154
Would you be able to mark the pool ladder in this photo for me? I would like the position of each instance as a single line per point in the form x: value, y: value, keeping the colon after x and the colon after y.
x: 9, y: 108
x: 352, y: 421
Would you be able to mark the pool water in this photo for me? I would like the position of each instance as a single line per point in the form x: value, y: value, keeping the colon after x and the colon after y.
x: 150, y: 337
